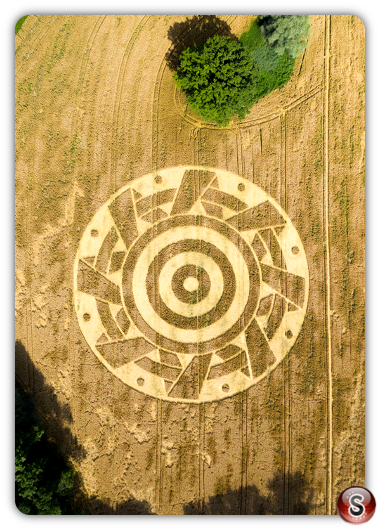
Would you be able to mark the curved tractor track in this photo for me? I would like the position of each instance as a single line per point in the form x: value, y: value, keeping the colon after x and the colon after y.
x: 97, y: 116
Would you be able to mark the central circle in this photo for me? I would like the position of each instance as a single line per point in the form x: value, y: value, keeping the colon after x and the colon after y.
x: 191, y: 284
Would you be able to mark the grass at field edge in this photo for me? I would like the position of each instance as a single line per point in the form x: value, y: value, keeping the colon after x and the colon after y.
x: 19, y: 23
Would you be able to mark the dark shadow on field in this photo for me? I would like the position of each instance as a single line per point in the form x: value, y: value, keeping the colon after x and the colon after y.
x: 288, y: 495
x: 95, y: 506
x: 194, y: 30
x: 46, y: 458
x: 54, y: 417
x: 37, y: 403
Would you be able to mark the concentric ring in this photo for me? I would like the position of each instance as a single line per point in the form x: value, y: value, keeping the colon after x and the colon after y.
x: 174, y: 276
x: 202, y: 333
x: 202, y: 288
x: 193, y: 248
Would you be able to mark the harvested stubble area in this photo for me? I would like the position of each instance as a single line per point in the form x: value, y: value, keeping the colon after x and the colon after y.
x: 96, y: 109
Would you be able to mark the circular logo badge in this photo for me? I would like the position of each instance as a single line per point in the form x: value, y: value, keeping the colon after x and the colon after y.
x: 191, y: 284
x: 356, y: 505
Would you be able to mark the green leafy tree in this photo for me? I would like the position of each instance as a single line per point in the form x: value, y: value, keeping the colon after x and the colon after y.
x: 217, y: 78
x: 274, y: 71
x: 43, y: 482
x: 285, y: 33
x: 223, y: 77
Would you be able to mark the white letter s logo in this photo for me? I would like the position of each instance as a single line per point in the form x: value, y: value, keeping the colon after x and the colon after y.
x: 356, y: 508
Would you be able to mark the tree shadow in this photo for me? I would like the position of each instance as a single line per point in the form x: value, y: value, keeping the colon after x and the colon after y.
x: 54, y: 417
x: 249, y: 500
x: 194, y: 30
x: 94, y: 506
x: 288, y: 494
x: 36, y: 402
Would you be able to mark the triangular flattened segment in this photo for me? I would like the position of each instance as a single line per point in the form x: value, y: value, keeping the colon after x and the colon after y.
x: 198, y: 209
x: 213, y: 209
x: 124, y: 351
x: 227, y: 367
x: 95, y: 284
x: 123, y: 213
x: 133, y: 332
x: 259, y: 353
x: 189, y: 384
x: 258, y: 247
x: 116, y: 261
x: 272, y: 244
x: 279, y: 229
x: 153, y: 201
x: 136, y: 195
x: 228, y: 352
x: 90, y: 260
x: 142, y: 225
x: 194, y: 182
x: 276, y: 316
x: 215, y: 359
x: 285, y: 283
x: 170, y: 359
x: 169, y: 373
x: 166, y: 207
x: 265, y: 305
x: 261, y: 216
x: 154, y: 215
x: 168, y: 385
x: 240, y: 342
x: 102, y: 339
x: 215, y: 183
x: 107, y: 320
x: 245, y: 371
x: 267, y: 259
x: 154, y: 356
x: 105, y: 251
x: 123, y: 321
x: 224, y: 199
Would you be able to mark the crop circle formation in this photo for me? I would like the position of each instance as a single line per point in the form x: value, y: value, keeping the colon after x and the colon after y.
x: 187, y: 286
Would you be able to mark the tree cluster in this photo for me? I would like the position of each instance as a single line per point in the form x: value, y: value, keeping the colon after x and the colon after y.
x: 223, y: 77
x: 43, y: 481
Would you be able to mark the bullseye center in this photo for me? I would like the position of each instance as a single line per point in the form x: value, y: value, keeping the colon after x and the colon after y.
x: 191, y: 284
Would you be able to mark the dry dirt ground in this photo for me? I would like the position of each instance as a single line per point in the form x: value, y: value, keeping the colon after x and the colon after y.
x: 96, y: 109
